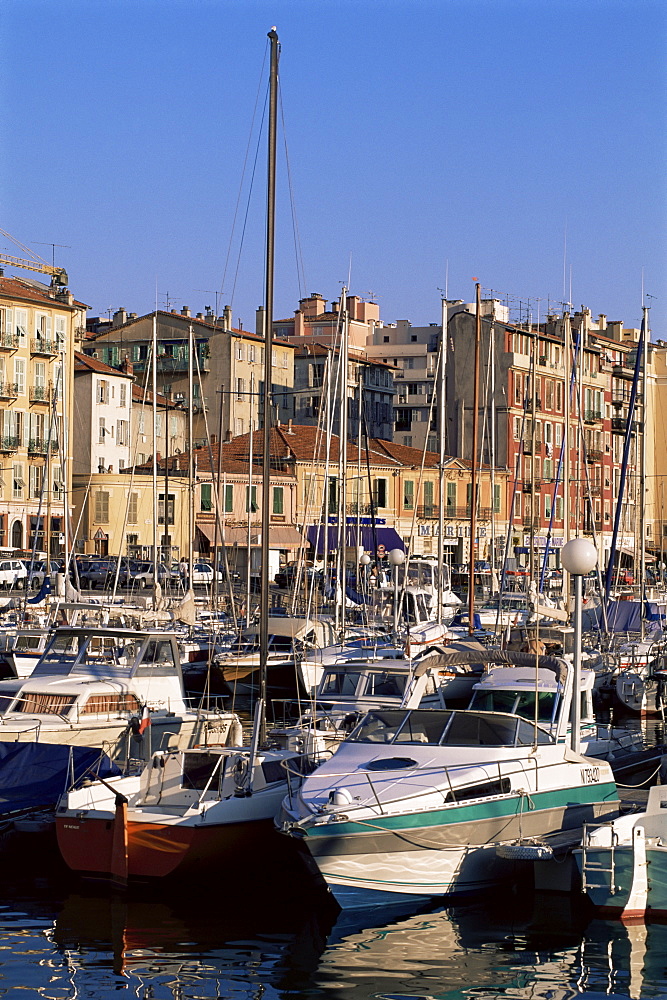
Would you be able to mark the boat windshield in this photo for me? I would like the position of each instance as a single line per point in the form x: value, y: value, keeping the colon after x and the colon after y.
x: 447, y: 728
x: 516, y: 703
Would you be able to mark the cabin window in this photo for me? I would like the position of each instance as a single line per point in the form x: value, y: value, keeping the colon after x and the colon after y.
x: 45, y: 704
x: 500, y: 787
x: 339, y: 683
x: 199, y: 768
x: 106, y: 704
x: 157, y: 652
x: 384, y: 684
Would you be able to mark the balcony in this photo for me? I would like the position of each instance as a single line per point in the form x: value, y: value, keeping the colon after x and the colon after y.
x: 37, y: 446
x: 623, y: 371
x: 361, y: 508
x: 9, y: 390
x: 531, y: 523
x: 8, y: 341
x: 9, y: 443
x: 39, y: 394
x: 593, y: 455
x: 40, y: 345
x: 431, y: 512
x: 167, y: 365
x: 592, y: 416
x: 528, y: 447
x: 595, y: 491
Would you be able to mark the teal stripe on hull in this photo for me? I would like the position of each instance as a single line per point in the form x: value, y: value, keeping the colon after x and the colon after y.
x: 554, y: 799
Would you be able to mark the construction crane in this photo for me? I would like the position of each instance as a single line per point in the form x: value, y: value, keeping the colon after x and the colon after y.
x: 58, y: 274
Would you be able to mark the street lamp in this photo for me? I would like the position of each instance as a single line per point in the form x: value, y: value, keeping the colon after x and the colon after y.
x: 396, y: 558
x: 578, y: 557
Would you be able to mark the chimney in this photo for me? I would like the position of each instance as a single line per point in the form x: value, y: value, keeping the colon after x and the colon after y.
x: 119, y: 317
x: 228, y: 437
x: 227, y: 318
x: 185, y: 311
x: 259, y: 321
x: 126, y: 366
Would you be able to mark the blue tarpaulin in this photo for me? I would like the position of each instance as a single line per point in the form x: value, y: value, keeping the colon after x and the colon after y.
x: 623, y: 616
x: 385, y: 538
x: 35, y: 775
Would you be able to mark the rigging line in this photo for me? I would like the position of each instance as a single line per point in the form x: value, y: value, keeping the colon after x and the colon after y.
x: 247, y: 210
x: 243, y: 171
x: 300, y: 270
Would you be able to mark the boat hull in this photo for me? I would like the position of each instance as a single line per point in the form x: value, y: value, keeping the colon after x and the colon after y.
x: 449, y: 852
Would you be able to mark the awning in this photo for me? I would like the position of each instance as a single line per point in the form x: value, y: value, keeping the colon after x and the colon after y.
x: 207, y: 529
x: 281, y: 536
x: 384, y: 538
x: 630, y: 552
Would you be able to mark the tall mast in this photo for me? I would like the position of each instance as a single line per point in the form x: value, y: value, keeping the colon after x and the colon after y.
x: 642, y: 476
x: 442, y: 412
x: 473, y: 477
x: 268, y: 349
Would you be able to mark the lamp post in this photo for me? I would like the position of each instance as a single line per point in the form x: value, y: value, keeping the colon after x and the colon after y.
x: 396, y: 558
x: 578, y: 556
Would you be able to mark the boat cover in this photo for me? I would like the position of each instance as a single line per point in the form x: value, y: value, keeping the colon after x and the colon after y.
x: 623, y: 616
x: 35, y: 775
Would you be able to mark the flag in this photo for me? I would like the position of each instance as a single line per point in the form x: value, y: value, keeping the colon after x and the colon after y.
x: 145, y: 721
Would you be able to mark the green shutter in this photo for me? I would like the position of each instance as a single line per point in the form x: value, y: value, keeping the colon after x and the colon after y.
x: 277, y: 500
x: 229, y: 498
x: 206, y: 502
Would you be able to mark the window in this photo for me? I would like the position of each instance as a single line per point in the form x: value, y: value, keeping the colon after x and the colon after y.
x: 206, y: 502
x: 123, y: 432
x: 21, y: 320
x: 102, y: 391
x: 496, y: 498
x: 123, y: 394
x: 278, y: 501
x: 380, y: 492
x: 547, y: 505
x: 35, y: 475
x: 408, y: 494
x: 102, y: 507
x: 451, y: 497
x: 6, y: 322
x: 170, y: 508
x: 229, y: 498
x: 40, y: 375
x: 133, y: 509
x: 102, y: 431
x: 18, y: 484
x: 240, y: 388
x: 428, y: 498
x: 61, y: 329
x: 239, y: 352
x: 19, y: 375
x: 251, y: 499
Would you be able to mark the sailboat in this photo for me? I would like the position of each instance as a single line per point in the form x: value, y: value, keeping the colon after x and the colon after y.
x: 192, y: 808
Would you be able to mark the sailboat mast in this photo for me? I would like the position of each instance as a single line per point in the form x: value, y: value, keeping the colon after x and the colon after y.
x: 441, y: 472
x: 268, y: 349
x: 473, y: 477
x: 642, y: 478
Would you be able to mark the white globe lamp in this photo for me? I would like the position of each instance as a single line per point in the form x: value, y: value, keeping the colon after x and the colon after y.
x: 578, y: 557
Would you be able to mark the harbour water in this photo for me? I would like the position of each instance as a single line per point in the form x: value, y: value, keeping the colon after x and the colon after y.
x: 275, y: 933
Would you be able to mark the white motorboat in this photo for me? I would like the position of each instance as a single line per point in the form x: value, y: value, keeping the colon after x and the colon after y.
x: 436, y: 802
x: 118, y: 689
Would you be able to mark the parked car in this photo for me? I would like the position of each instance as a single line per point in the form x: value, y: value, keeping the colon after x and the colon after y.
x: 101, y: 572
x: 38, y: 571
x: 13, y: 574
x: 141, y: 575
x: 204, y: 574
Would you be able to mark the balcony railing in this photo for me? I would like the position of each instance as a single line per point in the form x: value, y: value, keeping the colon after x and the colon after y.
x: 431, y: 512
x: 37, y: 446
x: 592, y: 416
x: 531, y: 522
x: 39, y: 394
x: 9, y: 443
x: 361, y: 508
x: 593, y: 455
x: 39, y: 345
x: 9, y: 341
x: 623, y: 371
x: 165, y: 363
x: 9, y: 390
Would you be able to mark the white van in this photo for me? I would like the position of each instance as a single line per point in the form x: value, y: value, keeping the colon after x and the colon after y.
x: 13, y: 573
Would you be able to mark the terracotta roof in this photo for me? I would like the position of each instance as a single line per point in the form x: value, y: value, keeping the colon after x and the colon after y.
x: 211, y: 328
x: 14, y: 287
x: 83, y: 363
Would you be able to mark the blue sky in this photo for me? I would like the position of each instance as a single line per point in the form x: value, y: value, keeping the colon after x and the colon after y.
x: 429, y: 143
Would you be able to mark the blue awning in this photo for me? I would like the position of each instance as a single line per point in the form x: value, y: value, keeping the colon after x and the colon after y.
x: 385, y: 539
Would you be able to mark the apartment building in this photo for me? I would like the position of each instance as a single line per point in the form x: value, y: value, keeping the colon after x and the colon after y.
x: 224, y: 385
x: 525, y: 421
x: 39, y: 327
